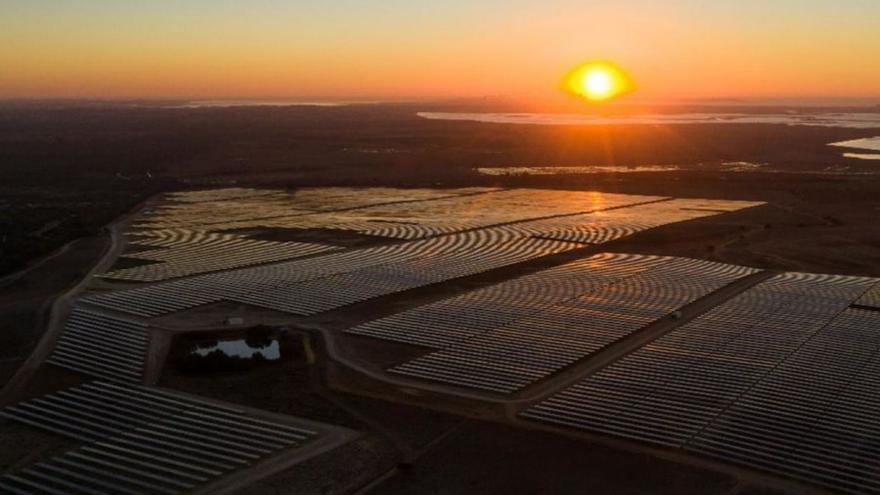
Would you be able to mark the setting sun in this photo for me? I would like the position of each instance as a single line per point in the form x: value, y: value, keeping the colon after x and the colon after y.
x: 598, y: 81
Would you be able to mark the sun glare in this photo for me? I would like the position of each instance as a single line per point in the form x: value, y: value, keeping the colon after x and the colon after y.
x: 598, y: 81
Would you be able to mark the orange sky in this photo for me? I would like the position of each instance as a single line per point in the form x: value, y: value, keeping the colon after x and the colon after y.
x: 357, y: 49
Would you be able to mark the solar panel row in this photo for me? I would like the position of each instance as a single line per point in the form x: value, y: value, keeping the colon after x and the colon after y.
x: 142, y: 440
x: 103, y: 346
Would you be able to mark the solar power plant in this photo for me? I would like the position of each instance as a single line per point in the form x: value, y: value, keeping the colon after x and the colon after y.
x: 783, y: 377
x: 490, y: 229
x: 503, y: 338
x: 103, y: 346
x: 142, y: 440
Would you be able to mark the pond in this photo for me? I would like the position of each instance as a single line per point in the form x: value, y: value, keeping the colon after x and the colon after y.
x: 242, y: 349
x: 227, y: 351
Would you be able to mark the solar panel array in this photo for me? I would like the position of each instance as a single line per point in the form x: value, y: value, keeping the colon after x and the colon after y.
x: 456, y: 319
x: 419, y: 216
x: 560, y: 215
x: 332, y: 280
x: 184, y: 252
x: 502, y: 338
x: 186, y: 235
x: 216, y: 214
x: 188, y: 239
x: 784, y: 376
x: 100, y: 345
x: 816, y: 416
x: 318, y: 284
x: 213, y: 253
x: 745, y: 381
x: 142, y: 440
x: 616, y: 221
x: 248, y: 208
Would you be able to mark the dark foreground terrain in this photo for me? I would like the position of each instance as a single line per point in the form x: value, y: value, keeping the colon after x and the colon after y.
x: 410, y: 450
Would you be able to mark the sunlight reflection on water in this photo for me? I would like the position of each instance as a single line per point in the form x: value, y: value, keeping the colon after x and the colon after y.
x: 872, y: 144
x: 822, y: 119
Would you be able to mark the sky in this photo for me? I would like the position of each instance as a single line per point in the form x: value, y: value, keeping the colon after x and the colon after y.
x: 396, y: 49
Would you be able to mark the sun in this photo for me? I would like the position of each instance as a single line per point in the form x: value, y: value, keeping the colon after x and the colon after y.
x: 598, y: 81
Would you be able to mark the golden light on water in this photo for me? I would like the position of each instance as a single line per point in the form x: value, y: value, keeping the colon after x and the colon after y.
x: 598, y: 81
